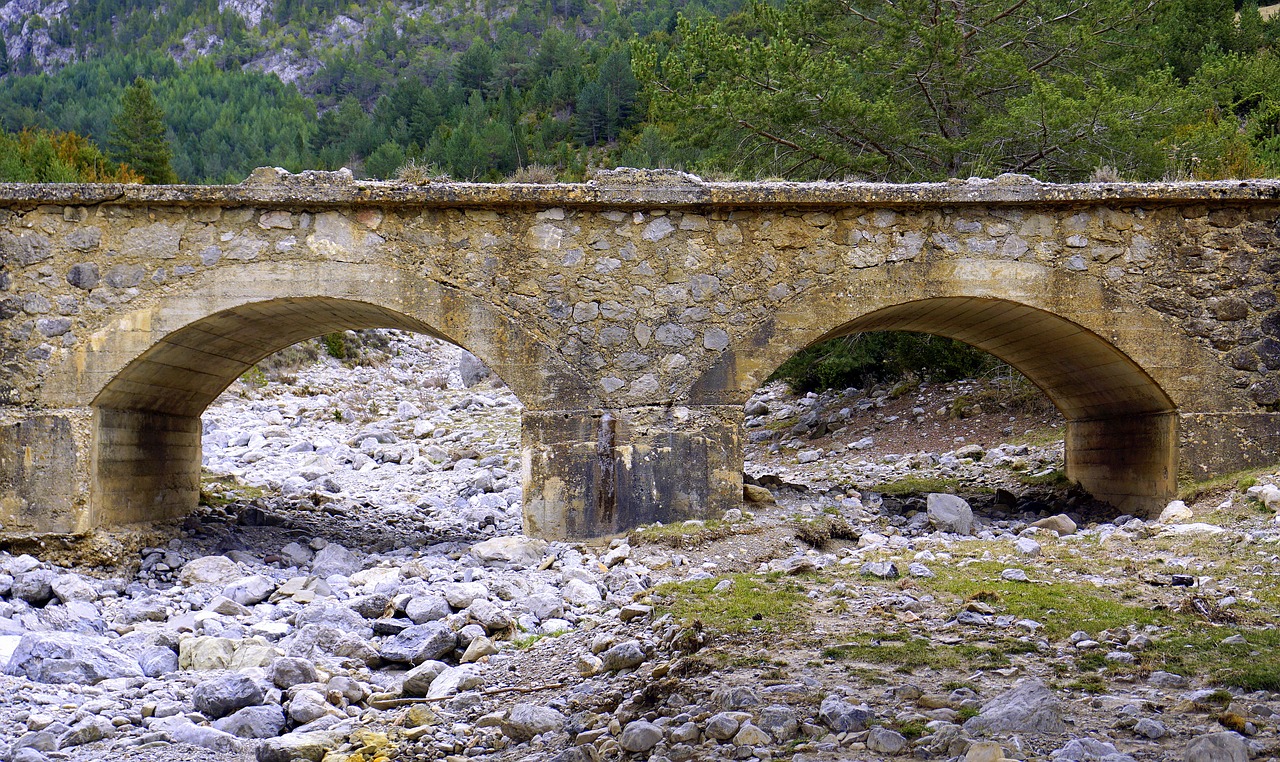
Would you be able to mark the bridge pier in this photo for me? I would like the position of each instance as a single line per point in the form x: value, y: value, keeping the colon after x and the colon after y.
x: 146, y: 465
x: 1129, y: 461
x: 591, y: 473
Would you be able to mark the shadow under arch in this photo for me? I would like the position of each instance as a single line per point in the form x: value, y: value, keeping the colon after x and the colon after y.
x: 146, y: 449
x: 1122, y: 424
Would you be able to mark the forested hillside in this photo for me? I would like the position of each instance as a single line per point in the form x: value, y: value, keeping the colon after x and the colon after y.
x: 477, y: 90
x: 804, y: 89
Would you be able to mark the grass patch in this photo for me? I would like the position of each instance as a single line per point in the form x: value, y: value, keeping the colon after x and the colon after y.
x: 1040, y: 436
x: 1190, y: 490
x: 525, y: 641
x: 817, y: 530
x: 906, y: 653
x: 918, y: 485
x: 221, y: 491
x: 753, y: 604
x: 686, y: 534
x: 1092, y: 683
x: 1184, y: 642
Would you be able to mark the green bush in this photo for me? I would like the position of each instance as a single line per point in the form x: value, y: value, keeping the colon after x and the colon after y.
x: 335, y: 344
x: 865, y: 358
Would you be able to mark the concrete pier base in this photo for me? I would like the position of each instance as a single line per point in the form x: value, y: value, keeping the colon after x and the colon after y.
x: 591, y: 473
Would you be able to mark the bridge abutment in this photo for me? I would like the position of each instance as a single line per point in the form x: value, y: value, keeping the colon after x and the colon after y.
x: 1215, y: 444
x: 45, y: 471
x: 591, y: 473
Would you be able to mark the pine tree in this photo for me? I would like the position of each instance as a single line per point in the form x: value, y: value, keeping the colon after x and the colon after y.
x: 138, y: 136
x: 4, y: 57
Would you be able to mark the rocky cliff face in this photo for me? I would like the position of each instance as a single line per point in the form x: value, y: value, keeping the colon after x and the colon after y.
x: 291, y: 51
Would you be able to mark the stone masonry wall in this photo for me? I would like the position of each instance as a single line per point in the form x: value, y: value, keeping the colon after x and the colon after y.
x: 647, y: 285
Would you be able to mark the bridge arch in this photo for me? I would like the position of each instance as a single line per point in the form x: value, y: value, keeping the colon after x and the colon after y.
x: 1114, y: 369
x: 145, y: 379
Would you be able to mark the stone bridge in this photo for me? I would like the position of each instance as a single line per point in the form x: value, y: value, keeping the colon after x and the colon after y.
x: 633, y: 316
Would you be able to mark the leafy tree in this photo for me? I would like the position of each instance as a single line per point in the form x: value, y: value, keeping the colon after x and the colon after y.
x: 139, y: 136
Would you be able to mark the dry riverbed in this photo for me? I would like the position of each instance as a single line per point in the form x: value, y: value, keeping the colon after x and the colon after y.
x: 356, y: 589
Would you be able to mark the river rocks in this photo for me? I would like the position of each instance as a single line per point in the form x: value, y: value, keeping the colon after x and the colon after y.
x: 1090, y: 750
x: 581, y: 593
x: 843, y: 717
x: 66, y: 658
x: 1060, y: 523
x: 210, y: 570
x: 253, y: 722
x: 158, y: 661
x: 724, y: 725
x: 326, y: 614
x: 333, y: 648
x: 180, y: 729
x: 427, y: 608
x: 335, y: 559
x: 1175, y: 512
x: 452, y: 680
x: 622, y: 656
x: 1030, y: 707
x: 286, y: 672
x: 417, y: 681
x: 249, y: 590
x: 34, y: 587
x: 640, y: 736
x: 518, y: 551
x: 292, y: 747
x: 219, y: 696
x: 1217, y: 747
x: 525, y: 720
x: 949, y: 513
x: 885, y: 741
x: 419, y: 643
x: 308, y: 706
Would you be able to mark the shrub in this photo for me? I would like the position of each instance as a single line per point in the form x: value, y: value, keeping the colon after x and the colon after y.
x: 864, y: 358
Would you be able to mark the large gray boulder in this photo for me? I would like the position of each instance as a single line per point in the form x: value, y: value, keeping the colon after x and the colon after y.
x: 1029, y: 707
x: 949, y: 513
x: 180, y: 729
x: 335, y: 615
x: 419, y: 643
x: 220, y: 696
x: 1218, y: 747
x: 253, y: 722
x: 526, y: 720
x: 210, y: 570
x: 842, y: 717
x: 517, y: 550
x: 292, y: 747
x: 417, y: 681
x: 471, y: 369
x: 335, y: 559
x: 1090, y: 750
x: 247, y: 591
x: 34, y: 587
x: 288, y: 671
x: 69, y: 659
